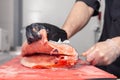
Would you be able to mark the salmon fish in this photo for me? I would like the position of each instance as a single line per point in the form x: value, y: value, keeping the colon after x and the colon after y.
x: 48, y: 54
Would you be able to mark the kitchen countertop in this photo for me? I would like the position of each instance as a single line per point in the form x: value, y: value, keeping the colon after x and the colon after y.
x: 14, y: 70
x: 5, y: 56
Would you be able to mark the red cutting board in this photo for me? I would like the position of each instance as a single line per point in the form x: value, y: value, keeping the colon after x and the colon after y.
x: 13, y: 70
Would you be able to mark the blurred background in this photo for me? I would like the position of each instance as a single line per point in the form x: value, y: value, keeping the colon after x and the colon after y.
x: 15, y: 15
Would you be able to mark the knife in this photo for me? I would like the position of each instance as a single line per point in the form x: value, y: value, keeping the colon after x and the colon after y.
x: 82, y: 60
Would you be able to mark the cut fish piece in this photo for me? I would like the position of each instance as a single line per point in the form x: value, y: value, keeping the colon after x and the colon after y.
x: 47, y: 54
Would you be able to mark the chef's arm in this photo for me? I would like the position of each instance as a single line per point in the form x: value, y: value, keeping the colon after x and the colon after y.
x: 104, y: 52
x: 78, y: 18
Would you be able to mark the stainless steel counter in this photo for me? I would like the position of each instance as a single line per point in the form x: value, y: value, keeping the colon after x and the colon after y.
x: 5, y: 56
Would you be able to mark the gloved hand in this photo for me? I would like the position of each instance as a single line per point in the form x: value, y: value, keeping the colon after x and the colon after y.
x: 103, y: 53
x: 53, y: 32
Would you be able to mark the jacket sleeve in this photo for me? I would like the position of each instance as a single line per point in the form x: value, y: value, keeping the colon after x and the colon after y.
x: 92, y: 3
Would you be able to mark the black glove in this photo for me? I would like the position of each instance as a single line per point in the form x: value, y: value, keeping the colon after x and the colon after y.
x: 53, y: 32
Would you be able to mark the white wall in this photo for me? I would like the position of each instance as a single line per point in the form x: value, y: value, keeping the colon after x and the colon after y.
x: 55, y: 12
x: 51, y: 11
x: 6, y: 18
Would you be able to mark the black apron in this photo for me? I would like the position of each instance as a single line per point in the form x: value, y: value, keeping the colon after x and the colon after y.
x: 111, y: 29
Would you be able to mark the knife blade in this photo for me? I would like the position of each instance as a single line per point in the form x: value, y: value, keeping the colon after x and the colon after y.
x: 82, y: 60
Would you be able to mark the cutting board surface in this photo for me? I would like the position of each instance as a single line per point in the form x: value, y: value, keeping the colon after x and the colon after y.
x: 13, y: 70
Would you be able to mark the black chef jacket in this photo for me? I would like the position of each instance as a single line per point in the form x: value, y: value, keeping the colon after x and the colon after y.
x: 111, y: 28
